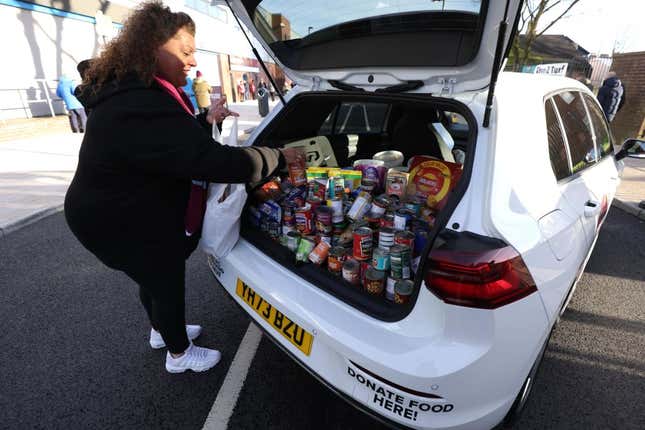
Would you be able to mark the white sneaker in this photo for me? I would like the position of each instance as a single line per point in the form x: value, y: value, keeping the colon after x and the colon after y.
x: 195, y: 358
x: 156, y: 341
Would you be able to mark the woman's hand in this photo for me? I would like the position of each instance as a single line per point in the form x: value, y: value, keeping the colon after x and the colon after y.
x: 218, y: 112
x: 293, y: 155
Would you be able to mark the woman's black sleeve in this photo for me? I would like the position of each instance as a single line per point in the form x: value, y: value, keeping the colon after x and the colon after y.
x: 173, y: 143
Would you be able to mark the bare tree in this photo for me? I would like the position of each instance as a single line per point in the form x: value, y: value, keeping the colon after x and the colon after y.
x: 529, y: 21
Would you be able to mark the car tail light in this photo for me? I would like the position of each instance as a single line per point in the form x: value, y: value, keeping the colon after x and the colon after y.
x: 484, y: 279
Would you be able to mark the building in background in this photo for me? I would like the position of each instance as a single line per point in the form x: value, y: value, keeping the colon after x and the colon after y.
x: 630, y: 120
x: 45, y: 39
x: 558, y: 50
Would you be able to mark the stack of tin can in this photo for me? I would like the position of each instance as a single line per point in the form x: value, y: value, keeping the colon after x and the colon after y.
x: 367, y: 239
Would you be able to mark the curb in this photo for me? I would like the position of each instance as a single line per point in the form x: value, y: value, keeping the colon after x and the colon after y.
x: 630, y: 209
x: 30, y: 219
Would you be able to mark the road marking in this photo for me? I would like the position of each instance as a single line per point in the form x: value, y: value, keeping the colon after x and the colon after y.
x: 226, y: 400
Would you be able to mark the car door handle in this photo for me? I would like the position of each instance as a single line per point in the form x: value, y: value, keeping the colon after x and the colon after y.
x: 592, y: 208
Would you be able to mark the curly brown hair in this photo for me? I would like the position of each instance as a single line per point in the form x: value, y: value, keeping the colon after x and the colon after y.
x: 134, y: 50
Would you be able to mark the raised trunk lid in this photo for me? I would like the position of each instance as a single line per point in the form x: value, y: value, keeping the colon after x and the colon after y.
x: 448, y: 45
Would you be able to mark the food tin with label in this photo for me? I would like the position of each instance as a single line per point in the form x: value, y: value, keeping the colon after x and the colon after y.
x: 351, y: 271
x: 304, y: 219
x: 387, y: 220
x: 389, y: 288
x: 323, y: 220
x: 403, y: 291
x: 368, y: 184
x: 293, y: 239
x: 305, y: 246
x: 314, y: 202
x: 381, y: 259
x: 404, y: 237
x: 379, y: 205
x: 374, y: 281
x: 400, y: 261
x: 275, y: 229
x: 362, y: 243
x: 386, y: 238
x: 319, y: 254
x: 360, y: 206
x: 335, y: 260
x: 401, y: 218
x: 420, y: 240
x: 336, y: 205
x: 413, y: 205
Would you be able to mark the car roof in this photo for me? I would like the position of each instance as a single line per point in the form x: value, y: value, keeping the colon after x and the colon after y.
x: 528, y: 84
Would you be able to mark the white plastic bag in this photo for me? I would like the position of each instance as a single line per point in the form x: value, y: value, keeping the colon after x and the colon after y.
x: 221, y: 227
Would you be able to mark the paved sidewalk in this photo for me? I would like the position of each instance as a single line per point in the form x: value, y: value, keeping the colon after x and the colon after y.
x: 36, y: 170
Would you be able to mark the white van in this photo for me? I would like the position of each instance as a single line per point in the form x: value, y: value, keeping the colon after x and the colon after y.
x: 537, y: 175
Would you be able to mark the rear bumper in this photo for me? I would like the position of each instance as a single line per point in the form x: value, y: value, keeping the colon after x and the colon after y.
x: 441, y: 367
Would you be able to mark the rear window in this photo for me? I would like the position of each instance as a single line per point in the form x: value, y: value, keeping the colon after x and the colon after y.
x: 577, y: 128
x: 292, y: 19
x: 557, y: 147
x: 355, y: 118
x: 601, y: 131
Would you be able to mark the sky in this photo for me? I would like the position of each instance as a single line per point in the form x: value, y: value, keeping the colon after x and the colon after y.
x: 597, y: 25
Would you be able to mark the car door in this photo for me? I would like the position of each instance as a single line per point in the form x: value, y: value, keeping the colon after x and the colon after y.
x: 581, y: 189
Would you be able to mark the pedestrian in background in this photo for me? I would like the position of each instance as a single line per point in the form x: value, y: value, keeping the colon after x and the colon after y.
x: 188, y: 89
x: 252, y: 89
x: 132, y: 202
x: 246, y: 90
x: 75, y: 111
x: 240, y: 90
x: 610, y: 95
x: 202, y: 92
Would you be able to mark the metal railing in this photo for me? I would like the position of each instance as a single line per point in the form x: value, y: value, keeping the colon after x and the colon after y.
x: 23, y: 97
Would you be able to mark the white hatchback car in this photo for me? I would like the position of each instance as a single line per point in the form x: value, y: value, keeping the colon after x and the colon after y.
x: 538, y: 173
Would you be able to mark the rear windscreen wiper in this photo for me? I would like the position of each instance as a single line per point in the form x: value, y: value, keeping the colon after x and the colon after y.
x: 344, y: 87
x: 401, y: 88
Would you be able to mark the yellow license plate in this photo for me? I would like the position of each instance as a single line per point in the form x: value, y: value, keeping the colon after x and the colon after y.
x: 291, y: 331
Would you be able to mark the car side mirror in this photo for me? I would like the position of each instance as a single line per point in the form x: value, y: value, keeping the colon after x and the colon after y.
x: 632, y: 148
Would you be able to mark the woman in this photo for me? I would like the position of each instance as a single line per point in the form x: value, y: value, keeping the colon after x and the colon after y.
x: 128, y: 200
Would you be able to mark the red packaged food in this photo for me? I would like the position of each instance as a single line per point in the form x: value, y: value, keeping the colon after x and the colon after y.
x: 431, y: 180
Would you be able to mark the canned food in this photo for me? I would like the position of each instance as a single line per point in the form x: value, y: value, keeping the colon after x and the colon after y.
x: 337, y: 214
x: 293, y: 239
x: 401, y: 218
x: 368, y: 184
x: 413, y: 205
x: 379, y: 205
x: 274, y: 230
x: 387, y: 220
x: 336, y: 187
x: 351, y: 271
x: 323, y: 220
x: 319, y: 254
x: 404, y: 237
x: 403, y: 291
x: 297, y: 172
x: 323, y: 238
x: 362, y: 243
x: 305, y: 246
x: 400, y: 261
x: 386, y: 238
x: 335, y: 260
x: 420, y: 240
x: 389, y: 288
x: 360, y: 206
x: 304, y: 219
x: 381, y: 259
x: 374, y: 281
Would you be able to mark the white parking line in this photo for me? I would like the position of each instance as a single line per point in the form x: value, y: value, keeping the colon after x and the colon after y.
x: 222, y: 409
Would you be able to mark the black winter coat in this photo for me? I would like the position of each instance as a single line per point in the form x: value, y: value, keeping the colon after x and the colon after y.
x: 128, y: 198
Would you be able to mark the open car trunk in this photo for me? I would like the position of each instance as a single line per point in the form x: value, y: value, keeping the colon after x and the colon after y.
x: 339, y: 129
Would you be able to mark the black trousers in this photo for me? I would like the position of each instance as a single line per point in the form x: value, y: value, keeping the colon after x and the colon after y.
x: 162, y: 294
